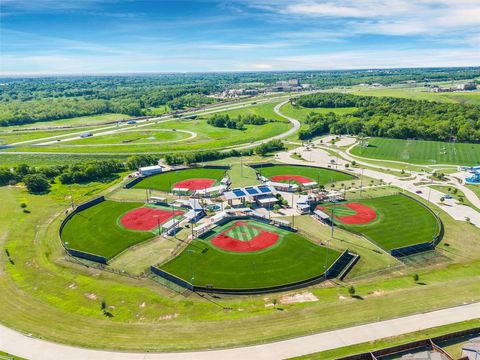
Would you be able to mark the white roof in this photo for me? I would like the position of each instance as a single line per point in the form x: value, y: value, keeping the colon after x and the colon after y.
x: 282, y: 185
x: 268, y: 199
x: 153, y: 167
x: 212, y: 189
x: 195, y: 204
x: 321, y: 214
x: 303, y: 199
x: 157, y: 198
x: 181, y: 189
x: 171, y: 223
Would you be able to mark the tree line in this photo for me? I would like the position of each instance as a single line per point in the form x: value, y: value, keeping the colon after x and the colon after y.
x: 39, y: 179
x: 391, y: 117
x: 29, y: 100
x: 239, y: 122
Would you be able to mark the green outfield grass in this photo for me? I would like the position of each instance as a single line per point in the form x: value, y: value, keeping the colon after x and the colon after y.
x: 292, y: 259
x: 165, y: 181
x: 134, y: 136
x: 320, y: 175
x: 400, y: 222
x: 419, y: 151
x: 96, y: 231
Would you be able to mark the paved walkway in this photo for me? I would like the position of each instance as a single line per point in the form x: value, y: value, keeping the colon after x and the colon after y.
x: 35, y: 349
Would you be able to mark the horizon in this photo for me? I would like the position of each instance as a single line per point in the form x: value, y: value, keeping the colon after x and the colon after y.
x: 49, y: 37
x: 45, y: 75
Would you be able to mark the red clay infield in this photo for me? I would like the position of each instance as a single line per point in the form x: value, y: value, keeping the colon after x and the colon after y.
x: 147, y: 219
x: 195, y: 184
x: 263, y: 240
x: 296, y: 178
x: 363, y: 214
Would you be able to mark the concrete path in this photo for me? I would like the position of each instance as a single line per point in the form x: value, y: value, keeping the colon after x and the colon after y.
x: 35, y: 349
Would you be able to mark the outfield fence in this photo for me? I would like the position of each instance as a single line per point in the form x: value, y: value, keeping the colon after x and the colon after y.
x: 340, y: 267
x: 425, y: 246
x: 135, y: 181
x: 267, y: 165
x: 414, y: 248
x: 79, y: 253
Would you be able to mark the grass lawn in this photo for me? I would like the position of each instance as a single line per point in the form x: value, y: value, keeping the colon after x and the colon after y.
x: 146, y: 135
x: 9, y: 137
x: 420, y: 152
x: 475, y: 189
x: 69, y: 296
x: 419, y: 93
x: 456, y: 194
x: 165, y: 181
x: 400, y: 222
x: 7, y: 159
x: 291, y: 259
x: 96, y: 231
x: 320, y: 175
x: 208, y: 138
x: 264, y: 110
x: 300, y: 113
x: 5, y: 356
x: 75, y: 121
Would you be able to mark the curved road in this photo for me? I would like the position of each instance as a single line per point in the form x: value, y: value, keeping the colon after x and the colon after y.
x: 35, y: 349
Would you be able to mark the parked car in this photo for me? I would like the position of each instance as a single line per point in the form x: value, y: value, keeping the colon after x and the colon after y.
x: 419, y: 192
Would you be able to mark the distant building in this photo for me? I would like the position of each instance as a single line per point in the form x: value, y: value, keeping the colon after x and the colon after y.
x: 467, y: 86
x: 150, y: 170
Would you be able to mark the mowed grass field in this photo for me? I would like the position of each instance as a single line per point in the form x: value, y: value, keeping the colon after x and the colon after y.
x: 300, y: 113
x: 264, y: 110
x: 320, y: 175
x: 208, y: 137
x: 75, y: 121
x: 165, y: 181
x: 420, y: 151
x: 133, y: 136
x: 400, y: 222
x: 292, y: 258
x: 419, y: 93
x: 96, y: 230
x: 10, y: 137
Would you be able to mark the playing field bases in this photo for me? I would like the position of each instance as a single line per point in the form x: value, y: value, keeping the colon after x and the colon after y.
x: 189, y: 179
x: 108, y: 228
x: 248, y: 254
x: 302, y: 175
x: 391, y: 222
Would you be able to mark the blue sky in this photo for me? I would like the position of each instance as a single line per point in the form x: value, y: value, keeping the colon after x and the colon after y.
x: 111, y: 36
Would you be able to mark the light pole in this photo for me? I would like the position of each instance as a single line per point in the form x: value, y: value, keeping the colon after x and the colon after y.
x: 293, y: 216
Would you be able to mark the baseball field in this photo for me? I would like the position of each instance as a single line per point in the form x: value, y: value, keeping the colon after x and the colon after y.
x: 249, y: 254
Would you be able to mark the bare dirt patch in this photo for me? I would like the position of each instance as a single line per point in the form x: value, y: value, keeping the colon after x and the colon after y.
x: 305, y: 296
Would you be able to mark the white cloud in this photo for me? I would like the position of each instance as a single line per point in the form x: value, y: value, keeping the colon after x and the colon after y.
x: 373, y: 59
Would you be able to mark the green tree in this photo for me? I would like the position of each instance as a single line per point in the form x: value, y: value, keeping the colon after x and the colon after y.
x: 36, y: 183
